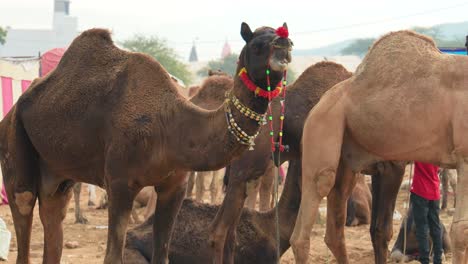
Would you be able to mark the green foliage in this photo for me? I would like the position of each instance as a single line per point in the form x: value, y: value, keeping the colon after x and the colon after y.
x: 359, y: 47
x: 3, y: 33
x: 159, y: 49
x: 436, y: 35
x: 229, y: 66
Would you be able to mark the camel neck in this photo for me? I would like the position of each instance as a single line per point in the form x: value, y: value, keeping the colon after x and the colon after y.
x: 205, y: 141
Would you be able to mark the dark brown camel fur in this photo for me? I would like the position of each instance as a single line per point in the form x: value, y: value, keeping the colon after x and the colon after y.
x: 256, y: 232
x: 115, y: 119
x: 406, y: 101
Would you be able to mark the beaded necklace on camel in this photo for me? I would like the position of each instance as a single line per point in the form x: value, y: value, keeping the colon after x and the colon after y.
x: 240, y: 135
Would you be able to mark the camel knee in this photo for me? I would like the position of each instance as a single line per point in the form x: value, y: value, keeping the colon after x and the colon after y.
x: 325, y: 181
x: 25, y: 202
x: 300, y: 249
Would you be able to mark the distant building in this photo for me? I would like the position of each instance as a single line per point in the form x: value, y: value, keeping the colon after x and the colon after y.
x: 193, y: 54
x: 31, y: 42
x: 226, y: 50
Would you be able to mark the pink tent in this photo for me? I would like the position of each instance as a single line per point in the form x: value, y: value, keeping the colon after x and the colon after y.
x: 51, y: 59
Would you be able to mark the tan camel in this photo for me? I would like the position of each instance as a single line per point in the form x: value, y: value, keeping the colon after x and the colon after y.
x: 115, y: 119
x: 406, y: 101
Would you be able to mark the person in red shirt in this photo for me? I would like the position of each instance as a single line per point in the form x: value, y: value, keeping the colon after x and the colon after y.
x: 425, y: 197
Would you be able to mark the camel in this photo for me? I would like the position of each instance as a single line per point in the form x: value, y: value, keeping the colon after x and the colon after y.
x: 114, y: 118
x: 405, y: 102
x: 359, y: 204
x: 301, y: 96
x: 411, y: 242
x: 448, y: 177
x: 79, y: 217
x: 256, y: 232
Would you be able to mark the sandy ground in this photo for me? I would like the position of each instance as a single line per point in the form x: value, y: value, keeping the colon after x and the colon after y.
x: 92, y: 237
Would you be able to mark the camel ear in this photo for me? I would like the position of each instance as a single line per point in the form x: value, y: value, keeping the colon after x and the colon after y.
x: 246, y: 33
x: 285, y: 25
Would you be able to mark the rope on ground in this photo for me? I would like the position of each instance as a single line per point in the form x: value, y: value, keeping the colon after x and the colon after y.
x: 276, y: 181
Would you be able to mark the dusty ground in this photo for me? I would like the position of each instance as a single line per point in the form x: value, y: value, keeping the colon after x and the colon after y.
x: 92, y: 237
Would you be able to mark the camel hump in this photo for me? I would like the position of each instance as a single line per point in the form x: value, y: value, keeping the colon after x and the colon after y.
x: 398, y: 55
x: 96, y: 34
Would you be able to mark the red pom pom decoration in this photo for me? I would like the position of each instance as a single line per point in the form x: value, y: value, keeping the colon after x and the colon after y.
x: 282, y: 32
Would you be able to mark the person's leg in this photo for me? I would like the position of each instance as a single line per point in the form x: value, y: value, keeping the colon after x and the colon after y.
x: 435, y: 230
x: 420, y: 210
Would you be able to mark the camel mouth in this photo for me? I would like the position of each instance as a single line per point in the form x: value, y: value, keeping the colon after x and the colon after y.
x: 279, y: 65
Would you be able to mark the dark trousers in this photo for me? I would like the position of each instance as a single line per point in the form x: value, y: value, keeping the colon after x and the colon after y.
x: 426, y: 218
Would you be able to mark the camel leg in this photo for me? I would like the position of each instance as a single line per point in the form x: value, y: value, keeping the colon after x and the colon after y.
x: 322, y: 142
x: 459, y: 229
x: 444, y: 181
x: 79, y: 217
x: 52, y: 211
x: 228, y: 214
x: 191, y: 183
x: 170, y: 198
x: 151, y: 206
x: 91, y: 195
x: 214, y: 186
x: 252, y: 193
x: 22, y: 223
x: 266, y: 189
x: 336, y: 211
x: 385, y: 187
x: 200, y: 185
x: 120, y: 203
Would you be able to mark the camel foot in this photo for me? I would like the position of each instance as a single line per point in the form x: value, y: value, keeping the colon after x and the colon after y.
x: 81, y: 220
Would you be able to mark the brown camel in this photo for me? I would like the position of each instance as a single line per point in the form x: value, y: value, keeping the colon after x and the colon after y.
x: 301, y: 96
x: 256, y: 232
x: 359, y: 204
x: 115, y: 119
x: 406, y: 101
x: 448, y: 177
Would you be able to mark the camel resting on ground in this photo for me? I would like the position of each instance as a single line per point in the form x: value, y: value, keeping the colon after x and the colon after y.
x: 406, y: 101
x: 116, y: 120
x: 411, y: 242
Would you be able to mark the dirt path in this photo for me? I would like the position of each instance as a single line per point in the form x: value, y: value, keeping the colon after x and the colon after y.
x: 92, y: 237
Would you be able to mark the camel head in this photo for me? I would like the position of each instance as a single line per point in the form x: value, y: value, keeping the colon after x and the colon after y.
x: 265, y: 48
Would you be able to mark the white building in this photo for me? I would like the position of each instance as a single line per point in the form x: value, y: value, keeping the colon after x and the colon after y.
x: 31, y: 42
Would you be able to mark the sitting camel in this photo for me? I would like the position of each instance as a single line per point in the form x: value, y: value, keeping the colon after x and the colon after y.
x: 256, y: 232
x: 411, y: 243
x: 114, y: 119
x: 359, y: 204
x: 406, y: 101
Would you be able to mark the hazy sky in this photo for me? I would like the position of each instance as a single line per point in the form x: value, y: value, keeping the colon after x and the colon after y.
x: 210, y: 23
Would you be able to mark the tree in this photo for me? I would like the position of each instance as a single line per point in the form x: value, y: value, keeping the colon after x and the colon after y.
x: 228, y: 65
x: 159, y: 49
x: 3, y: 33
x: 359, y: 47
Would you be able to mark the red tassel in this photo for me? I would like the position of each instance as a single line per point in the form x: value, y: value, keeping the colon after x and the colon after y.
x: 282, y: 32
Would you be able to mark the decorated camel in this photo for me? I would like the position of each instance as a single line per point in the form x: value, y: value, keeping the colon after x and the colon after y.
x: 406, y: 101
x: 301, y: 96
x: 115, y: 119
x: 256, y: 233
